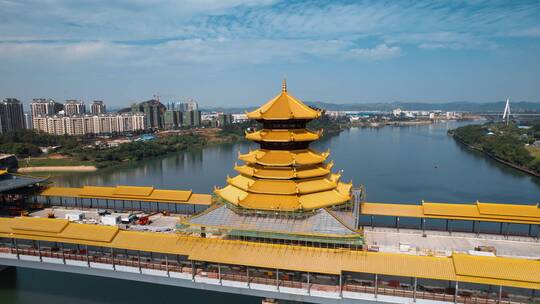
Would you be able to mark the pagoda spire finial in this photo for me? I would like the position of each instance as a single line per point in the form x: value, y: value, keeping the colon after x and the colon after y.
x: 284, y: 86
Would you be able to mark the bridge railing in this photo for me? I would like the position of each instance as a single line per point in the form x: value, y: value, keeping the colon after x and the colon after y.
x: 231, y: 274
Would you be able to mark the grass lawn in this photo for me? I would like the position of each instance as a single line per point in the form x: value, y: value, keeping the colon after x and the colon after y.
x: 535, y: 152
x: 45, y: 162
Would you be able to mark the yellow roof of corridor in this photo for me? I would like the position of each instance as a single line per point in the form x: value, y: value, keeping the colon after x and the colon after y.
x: 498, y: 268
x: 465, y: 268
x: 127, y: 191
x: 509, y: 210
x: 131, y: 193
x: 39, y: 224
x: 488, y: 212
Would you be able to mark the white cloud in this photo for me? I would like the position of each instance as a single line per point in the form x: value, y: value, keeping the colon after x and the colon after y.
x: 380, y: 52
x: 252, y: 31
x: 219, y: 51
x: 218, y: 5
x: 442, y: 40
x: 531, y: 32
x: 59, y: 51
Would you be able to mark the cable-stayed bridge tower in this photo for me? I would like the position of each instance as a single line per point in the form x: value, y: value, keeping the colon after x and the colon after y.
x: 506, y: 114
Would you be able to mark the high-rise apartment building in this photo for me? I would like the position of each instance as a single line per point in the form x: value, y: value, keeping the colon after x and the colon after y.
x: 45, y: 106
x: 191, y: 118
x: 74, y: 107
x: 187, y: 106
x: 172, y: 119
x: 40, y: 123
x: 87, y: 124
x: 224, y: 119
x: 11, y: 115
x: 153, y: 110
x: 98, y: 107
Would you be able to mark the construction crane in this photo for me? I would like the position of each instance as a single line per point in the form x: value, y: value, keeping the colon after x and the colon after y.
x: 158, y: 96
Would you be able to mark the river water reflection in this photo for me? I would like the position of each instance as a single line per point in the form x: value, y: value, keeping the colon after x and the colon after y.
x: 396, y: 164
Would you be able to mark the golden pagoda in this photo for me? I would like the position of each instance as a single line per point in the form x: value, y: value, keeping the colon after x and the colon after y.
x: 285, y: 174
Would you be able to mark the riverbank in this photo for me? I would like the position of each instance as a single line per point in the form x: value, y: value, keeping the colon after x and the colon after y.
x: 401, y: 123
x: 504, y: 144
x: 57, y: 169
x: 111, y: 152
x: 502, y: 161
x: 367, y: 124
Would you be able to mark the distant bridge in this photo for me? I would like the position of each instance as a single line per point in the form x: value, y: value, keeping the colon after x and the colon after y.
x: 497, y: 116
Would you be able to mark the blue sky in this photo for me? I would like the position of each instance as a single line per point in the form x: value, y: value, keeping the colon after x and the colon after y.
x: 229, y: 53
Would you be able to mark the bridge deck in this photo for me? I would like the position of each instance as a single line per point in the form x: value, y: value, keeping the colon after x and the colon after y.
x: 297, y: 258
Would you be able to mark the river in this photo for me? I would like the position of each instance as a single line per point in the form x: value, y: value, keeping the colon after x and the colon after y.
x: 396, y: 164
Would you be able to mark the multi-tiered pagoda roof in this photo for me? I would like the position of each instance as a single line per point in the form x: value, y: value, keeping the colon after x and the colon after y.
x: 285, y: 174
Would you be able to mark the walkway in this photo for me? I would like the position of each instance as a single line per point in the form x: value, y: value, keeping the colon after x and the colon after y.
x: 442, y: 243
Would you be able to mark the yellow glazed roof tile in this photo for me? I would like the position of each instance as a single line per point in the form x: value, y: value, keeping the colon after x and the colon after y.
x: 484, y: 270
x: 270, y: 202
x: 5, y: 225
x: 171, y: 195
x: 450, y: 209
x: 284, y: 158
x: 317, y: 184
x: 39, y: 224
x: 284, y: 107
x: 95, y: 191
x: 497, y: 268
x: 62, y: 191
x: 276, y: 186
x: 96, y: 233
x: 504, y: 213
x: 281, y: 202
x: 166, y: 242
x: 322, y: 199
x: 231, y: 194
x: 405, y: 210
x: 283, y: 135
x: 200, y: 199
x: 131, y: 193
x: 284, y: 172
x: 263, y: 186
x: 509, y: 210
x: 265, y: 256
x: 399, y: 264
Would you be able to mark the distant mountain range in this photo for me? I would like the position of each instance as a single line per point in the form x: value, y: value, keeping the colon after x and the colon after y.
x: 461, y: 106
